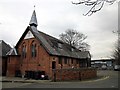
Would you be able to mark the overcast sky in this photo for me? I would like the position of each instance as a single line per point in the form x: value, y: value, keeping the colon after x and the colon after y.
x: 56, y: 16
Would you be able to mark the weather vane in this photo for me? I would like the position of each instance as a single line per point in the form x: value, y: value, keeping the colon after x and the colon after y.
x: 34, y: 6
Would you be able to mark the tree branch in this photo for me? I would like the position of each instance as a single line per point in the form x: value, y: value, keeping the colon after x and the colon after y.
x: 95, y: 6
x: 74, y: 38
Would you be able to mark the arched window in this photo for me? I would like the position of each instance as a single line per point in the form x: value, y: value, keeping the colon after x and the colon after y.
x: 33, y: 50
x: 24, y: 51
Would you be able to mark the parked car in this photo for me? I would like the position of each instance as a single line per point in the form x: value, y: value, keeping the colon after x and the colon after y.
x: 104, y: 67
x: 117, y: 67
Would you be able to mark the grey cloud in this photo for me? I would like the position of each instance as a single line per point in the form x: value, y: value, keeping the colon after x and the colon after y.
x: 55, y: 16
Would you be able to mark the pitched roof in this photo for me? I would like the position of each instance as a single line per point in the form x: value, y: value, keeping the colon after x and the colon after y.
x: 55, y: 46
x: 4, y: 48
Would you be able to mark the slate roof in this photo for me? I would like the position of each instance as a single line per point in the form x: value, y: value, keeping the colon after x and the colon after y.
x: 51, y: 45
x: 4, y: 48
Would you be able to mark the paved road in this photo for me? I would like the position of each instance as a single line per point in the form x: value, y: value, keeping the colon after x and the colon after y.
x: 111, y: 81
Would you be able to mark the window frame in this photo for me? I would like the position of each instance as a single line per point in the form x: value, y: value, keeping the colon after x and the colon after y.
x: 65, y: 60
x: 33, y: 50
x: 24, y: 51
x: 72, y: 61
x: 59, y: 60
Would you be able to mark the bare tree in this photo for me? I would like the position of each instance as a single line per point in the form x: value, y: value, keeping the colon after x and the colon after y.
x: 116, y: 53
x: 75, y: 39
x: 95, y: 5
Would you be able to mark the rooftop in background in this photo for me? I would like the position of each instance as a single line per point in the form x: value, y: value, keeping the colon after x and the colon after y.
x: 4, y: 48
x: 12, y: 52
x: 0, y: 41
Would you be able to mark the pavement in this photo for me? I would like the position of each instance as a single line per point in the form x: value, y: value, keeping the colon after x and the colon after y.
x: 21, y: 80
x: 24, y: 80
x: 105, y: 79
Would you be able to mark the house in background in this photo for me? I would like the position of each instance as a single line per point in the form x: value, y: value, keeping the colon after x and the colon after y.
x: 4, y: 48
x: 37, y: 51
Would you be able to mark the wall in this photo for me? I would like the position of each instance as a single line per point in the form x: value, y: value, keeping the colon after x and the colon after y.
x: 73, y: 74
x: 12, y: 65
x: 42, y: 61
x: 4, y: 66
x: 69, y: 64
x: 39, y: 63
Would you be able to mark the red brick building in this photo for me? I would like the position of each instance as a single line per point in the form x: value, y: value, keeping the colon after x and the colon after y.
x: 37, y: 51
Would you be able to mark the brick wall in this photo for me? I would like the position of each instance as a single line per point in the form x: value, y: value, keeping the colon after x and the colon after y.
x: 3, y: 65
x: 13, y: 65
x: 73, y: 74
x: 42, y: 61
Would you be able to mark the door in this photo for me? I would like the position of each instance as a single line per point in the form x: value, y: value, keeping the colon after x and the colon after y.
x: 53, y: 65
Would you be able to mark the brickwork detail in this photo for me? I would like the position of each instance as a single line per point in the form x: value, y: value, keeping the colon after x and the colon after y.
x: 43, y: 62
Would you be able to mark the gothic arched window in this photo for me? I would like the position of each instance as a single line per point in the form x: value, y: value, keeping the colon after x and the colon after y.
x: 24, y: 50
x: 33, y: 50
